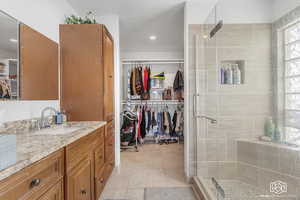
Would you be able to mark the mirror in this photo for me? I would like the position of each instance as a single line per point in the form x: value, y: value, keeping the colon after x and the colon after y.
x: 28, y: 62
x: 9, y: 49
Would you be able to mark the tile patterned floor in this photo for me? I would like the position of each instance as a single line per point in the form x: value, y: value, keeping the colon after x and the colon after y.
x: 153, y: 166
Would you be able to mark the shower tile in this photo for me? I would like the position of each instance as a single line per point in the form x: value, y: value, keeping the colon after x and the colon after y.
x: 261, y: 35
x: 211, y: 102
x: 235, y: 35
x: 227, y: 170
x: 202, y: 169
x: 201, y: 148
x: 235, y: 124
x: 297, y: 165
x: 245, y: 105
x: 247, y: 174
x: 213, y: 169
x: 212, y: 150
x: 268, y: 157
x: 214, y: 131
x: 287, y: 161
x: 247, y: 152
x: 231, y: 149
x: 237, y: 53
x: 260, y: 56
x: 210, y: 56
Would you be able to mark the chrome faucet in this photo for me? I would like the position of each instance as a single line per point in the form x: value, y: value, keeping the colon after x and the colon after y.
x: 44, y: 123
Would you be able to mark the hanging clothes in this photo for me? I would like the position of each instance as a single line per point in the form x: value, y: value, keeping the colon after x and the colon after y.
x: 149, y: 80
x: 146, y: 76
x: 148, y: 120
x: 143, y: 124
x: 178, y: 84
x: 166, y: 123
x: 127, y: 132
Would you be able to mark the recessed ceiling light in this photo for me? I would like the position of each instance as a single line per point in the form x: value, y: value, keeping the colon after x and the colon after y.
x: 205, y: 36
x: 13, y: 40
x: 152, y: 37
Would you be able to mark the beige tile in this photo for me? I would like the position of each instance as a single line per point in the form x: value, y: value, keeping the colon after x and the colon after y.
x: 135, y: 194
x: 153, y: 166
x: 247, y: 152
x: 247, y: 174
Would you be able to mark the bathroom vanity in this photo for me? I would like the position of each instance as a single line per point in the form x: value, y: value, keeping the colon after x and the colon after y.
x: 70, y: 161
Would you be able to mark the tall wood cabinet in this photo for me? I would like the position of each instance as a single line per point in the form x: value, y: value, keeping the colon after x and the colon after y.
x: 87, y: 72
x: 87, y: 85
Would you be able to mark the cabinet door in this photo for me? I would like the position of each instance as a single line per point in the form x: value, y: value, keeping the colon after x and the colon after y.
x: 55, y: 193
x: 39, y: 66
x: 79, y: 181
x: 108, y: 59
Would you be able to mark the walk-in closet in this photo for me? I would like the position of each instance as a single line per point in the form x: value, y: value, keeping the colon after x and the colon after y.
x: 153, y: 103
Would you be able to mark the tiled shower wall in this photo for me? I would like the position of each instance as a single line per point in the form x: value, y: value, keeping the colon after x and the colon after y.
x: 261, y: 163
x: 241, y: 110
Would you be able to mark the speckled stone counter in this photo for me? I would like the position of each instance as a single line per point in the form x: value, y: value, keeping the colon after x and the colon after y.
x: 20, y: 149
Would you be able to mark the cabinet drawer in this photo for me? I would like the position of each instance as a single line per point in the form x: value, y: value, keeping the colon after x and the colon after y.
x: 34, y: 180
x: 55, y: 193
x: 81, y: 148
x: 99, y: 183
x: 99, y: 160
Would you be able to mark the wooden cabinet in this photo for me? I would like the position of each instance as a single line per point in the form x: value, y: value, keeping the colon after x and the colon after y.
x: 108, y: 64
x: 109, y: 149
x: 87, y: 72
x: 38, y: 66
x: 55, y: 193
x: 85, y: 166
x: 34, y: 180
x: 79, y: 181
x: 78, y: 171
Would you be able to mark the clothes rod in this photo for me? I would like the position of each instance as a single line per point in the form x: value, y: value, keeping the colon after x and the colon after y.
x: 151, y: 60
x: 150, y: 63
x: 152, y: 103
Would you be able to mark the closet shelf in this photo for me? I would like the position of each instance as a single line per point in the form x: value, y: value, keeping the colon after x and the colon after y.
x: 152, y: 61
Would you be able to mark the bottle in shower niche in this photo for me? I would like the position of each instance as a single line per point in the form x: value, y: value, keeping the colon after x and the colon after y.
x: 269, y: 128
x: 222, y: 75
x: 229, y: 75
x: 236, y: 74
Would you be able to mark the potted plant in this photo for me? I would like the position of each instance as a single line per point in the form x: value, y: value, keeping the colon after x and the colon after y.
x: 88, y: 19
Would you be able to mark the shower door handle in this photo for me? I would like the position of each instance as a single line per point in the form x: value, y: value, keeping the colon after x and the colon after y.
x: 195, y: 105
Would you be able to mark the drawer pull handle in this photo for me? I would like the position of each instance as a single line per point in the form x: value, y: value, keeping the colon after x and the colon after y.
x: 102, y: 180
x: 35, y: 182
x: 83, y: 192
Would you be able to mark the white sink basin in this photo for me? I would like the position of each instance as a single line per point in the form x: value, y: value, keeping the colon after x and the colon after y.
x: 57, y: 131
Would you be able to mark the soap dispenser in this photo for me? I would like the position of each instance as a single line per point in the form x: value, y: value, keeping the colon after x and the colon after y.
x: 269, y: 128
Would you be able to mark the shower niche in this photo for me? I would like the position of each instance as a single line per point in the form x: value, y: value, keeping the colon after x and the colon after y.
x: 232, y: 72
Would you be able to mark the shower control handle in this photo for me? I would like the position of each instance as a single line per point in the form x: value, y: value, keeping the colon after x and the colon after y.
x: 212, y: 120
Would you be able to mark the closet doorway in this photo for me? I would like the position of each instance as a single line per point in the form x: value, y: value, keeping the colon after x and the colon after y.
x: 152, y: 129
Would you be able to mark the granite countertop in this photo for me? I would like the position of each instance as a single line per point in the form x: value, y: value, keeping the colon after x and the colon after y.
x: 19, y: 150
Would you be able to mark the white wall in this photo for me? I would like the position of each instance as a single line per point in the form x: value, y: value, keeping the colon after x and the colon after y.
x: 45, y: 17
x: 237, y: 11
x: 112, y: 24
x: 282, y: 7
x: 196, y: 12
